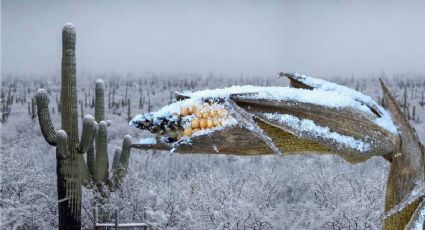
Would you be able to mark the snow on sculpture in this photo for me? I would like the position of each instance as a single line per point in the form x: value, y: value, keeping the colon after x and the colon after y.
x: 312, y: 116
x: 203, y: 114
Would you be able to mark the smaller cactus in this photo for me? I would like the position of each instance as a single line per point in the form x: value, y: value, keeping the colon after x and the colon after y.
x: 33, y: 108
x: 85, y: 99
x: 405, y: 110
x: 422, y: 102
x: 29, y: 109
x: 128, y: 110
x: 414, y: 113
x: 99, y: 112
x: 101, y: 162
x: 81, y: 110
x: 121, y: 157
x: 97, y: 155
x: 141, y: 102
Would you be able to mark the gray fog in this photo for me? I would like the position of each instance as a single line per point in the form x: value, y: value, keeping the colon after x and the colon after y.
x: 228, y: 37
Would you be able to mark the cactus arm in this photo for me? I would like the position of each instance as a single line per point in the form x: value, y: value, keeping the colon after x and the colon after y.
x: 116, y: 159
x: 99, y: 112
x: 101, y: 162
x: 62, y: 143
x: 128, y: 110
x: 84, y: 170
x: 46, y: 124
x: 90, y: 159
x: 121, y: 166
x: 82, y: 110
x: 33, y: 108
x: 87, y: 134
x: 125, y: 153
x: 90, y: 151
x: 29, y: 109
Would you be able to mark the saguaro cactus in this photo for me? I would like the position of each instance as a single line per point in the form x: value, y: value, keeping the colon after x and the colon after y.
x: 71, y: 167
x: 128, y: 110
x: 97, y: 156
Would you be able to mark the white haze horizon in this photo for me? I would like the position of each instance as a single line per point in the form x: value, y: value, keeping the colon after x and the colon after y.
x: 231, y: 38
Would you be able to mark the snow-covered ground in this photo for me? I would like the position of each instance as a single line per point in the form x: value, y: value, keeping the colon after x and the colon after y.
x: 196, y: 191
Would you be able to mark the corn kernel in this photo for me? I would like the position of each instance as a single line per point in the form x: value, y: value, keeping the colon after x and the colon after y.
x: 198, y: 114
x: 203, y: 123
x: 205, y: 115
x: 184, y: 111
x: 210, y: 124
x: 195, y: 123
x: 192, y: 110
x: 188, y: 132
x: 216, y: 123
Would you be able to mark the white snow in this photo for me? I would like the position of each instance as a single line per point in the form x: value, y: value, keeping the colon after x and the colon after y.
x: 327, y: 94
x: 308, y: 126
x: 417, y: 192
x: 385, y: 121
x: 418, y: 224
x: 325, y: 98
x: 174, y: 108
x: 147, y: 141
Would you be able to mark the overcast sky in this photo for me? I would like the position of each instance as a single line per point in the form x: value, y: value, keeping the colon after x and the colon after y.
x: 230, y: 37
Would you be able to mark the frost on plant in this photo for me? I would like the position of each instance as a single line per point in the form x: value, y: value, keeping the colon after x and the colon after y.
x: 235, y: 110
x: 309, y: 128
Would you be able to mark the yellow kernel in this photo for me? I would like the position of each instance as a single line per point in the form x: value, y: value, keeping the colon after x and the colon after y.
x: 213, y: 113
x: 210, y: 124
x: 198, y: 114
x: 184, y: 111
x: 203, y: 123
x: 192, y: 110
x: 195, y: 123
x: 205, y: 115
x: 216, y: 123
x: 188, y: 132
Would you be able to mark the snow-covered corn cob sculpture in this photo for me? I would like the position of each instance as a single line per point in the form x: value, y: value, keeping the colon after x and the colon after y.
x: 311, y: 116
x: 283, y: 120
